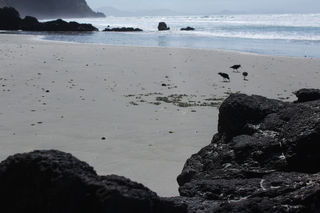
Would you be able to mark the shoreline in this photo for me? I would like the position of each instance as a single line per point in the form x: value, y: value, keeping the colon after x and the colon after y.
x: 174, y: 47
x: 186, y: 48
x: 68, y: 96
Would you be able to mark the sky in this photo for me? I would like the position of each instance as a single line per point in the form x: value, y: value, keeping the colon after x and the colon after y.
x: 209, y: 6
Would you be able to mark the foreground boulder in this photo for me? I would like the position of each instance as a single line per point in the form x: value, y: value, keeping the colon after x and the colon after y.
x: 10, y: 20
x: 264, y: 158
x: 163, y: 26
x: 54, y: 181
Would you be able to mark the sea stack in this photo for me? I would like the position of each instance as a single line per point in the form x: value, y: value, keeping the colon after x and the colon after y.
x: 163, y: 26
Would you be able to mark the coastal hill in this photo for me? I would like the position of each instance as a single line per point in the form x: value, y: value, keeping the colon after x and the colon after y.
x: 46, y: 9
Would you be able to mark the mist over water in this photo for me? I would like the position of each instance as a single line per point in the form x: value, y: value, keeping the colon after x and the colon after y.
x: 284, y: 34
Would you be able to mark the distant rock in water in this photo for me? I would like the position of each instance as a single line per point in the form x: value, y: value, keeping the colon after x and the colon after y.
x: 187, y: 29
x: 163, y: 26
x: 10, y: 20
x: 45, y: 9
x: 122, y: 29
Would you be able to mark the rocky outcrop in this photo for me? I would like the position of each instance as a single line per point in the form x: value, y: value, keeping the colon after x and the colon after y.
x: 61, y: 25
x: 10, y: 20
x: 54, y: 181
x: 122, y: 29
x: 305, y: 95
x: 187, y: 29
x: 163, y: 26
x: 49, y: 9
x: 263, y: 158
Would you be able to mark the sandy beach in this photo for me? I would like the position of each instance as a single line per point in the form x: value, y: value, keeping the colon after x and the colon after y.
x: 139, y: 112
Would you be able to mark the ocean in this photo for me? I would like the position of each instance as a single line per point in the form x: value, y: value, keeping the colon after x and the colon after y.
x: 296, y: 35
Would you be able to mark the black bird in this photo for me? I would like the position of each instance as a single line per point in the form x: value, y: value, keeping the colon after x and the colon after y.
x: 245, y: 74
x: 225, y: 76
x: 235, y: 67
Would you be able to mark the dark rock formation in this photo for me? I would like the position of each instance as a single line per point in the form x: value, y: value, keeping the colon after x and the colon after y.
x: 187, y: 29
x: 239, y: 111
x: 61, y: 25
x: 30, y: 23
x: 57, y: 182
x: 122, y: 29
x: 10, y: 20
x: 163, y: 26
x: 264, y: 158
x: 305, y: 95
x: 44, y: 9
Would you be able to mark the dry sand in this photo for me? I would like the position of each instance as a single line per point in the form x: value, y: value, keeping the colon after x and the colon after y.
x: 66, y: 96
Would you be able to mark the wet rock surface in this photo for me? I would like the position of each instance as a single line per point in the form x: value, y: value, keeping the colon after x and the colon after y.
x: 263, y: 158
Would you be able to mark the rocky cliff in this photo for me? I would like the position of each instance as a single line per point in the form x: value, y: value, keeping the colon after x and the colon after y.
x: 44, y: 9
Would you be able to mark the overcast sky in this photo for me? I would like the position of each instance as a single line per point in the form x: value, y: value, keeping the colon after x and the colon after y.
x: 207, y: 6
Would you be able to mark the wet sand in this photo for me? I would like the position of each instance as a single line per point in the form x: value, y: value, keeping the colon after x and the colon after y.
x: 139, y: 112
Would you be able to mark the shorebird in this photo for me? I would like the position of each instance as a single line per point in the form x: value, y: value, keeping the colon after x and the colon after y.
x: 235, y: 67
x: 245, y: 74
x: 225, y: 76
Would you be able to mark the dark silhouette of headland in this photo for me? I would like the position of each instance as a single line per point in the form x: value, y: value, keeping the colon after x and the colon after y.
x: 48, y: 9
